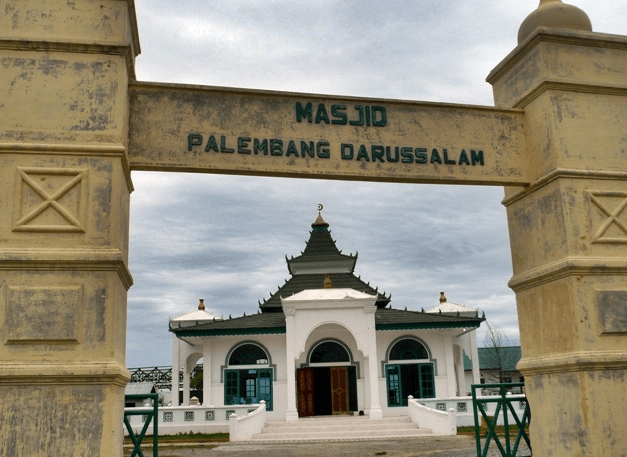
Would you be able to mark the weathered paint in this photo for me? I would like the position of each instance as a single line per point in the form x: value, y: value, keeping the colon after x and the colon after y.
x: 222, y: 130
x: 67, y: 78
x: 568, y: 238
x: 64, y: 214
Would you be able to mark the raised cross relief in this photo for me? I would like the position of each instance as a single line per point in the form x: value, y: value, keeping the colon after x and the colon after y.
x: 51, y: 200
x: 611, y: 225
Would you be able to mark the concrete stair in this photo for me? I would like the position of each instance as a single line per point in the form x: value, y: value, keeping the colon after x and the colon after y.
x: 330, y: 428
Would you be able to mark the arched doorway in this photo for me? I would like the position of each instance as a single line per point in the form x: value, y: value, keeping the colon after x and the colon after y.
x: 328, y: 385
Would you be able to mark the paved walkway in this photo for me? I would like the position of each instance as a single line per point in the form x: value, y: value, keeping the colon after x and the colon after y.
x: 433, y: 446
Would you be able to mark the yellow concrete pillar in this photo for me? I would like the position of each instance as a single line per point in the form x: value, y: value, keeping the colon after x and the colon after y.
x: 64, y: 213
x: 568, y: 230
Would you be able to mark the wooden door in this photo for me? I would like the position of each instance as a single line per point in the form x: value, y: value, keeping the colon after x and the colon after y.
x: 305, y: 392
x: 339, y: 390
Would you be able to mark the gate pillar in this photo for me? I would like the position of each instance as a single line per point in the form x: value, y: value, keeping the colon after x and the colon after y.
x: 568, y: 230
x: 64, y: 215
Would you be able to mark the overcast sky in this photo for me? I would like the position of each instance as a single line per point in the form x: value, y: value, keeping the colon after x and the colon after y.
x: 225, y: 238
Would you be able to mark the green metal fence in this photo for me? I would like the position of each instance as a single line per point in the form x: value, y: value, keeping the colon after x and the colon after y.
x: 504, y: 404
x: 150, y: 414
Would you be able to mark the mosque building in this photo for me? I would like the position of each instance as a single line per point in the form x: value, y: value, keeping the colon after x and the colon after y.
x: 327, y: 343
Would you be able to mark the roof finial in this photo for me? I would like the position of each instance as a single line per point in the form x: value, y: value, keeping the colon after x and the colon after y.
x: 442, y: 297
x: 201, y: 304
x: 327, y: 281
x: 319, y: 224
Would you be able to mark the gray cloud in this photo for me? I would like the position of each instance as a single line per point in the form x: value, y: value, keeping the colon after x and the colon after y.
x: 224, y: 238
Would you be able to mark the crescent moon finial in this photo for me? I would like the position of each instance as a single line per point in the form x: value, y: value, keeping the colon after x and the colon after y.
x: 320, y: 207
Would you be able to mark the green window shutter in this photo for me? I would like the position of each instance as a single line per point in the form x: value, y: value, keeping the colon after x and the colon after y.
x: 231, y: 390
x: 393, y: 374
x: 427, y: 380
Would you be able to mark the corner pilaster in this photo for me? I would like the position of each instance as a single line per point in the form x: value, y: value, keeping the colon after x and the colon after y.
x: 568, y: 236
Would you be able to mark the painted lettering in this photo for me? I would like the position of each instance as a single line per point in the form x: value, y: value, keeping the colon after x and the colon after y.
x: 421, y: 155
x: 307, y: 148
x: 435, y: 156
x: 407, y: 155
x: 276, y: 147
x: 346, y: 151
x: 448, y: 161
x: 388, y: 149
x: 323, y: 150
x: 305, y: 112
x: 366, y: 115
x: 321, y: 114
x: 223, y: 147
x: 242, y: 145
x: 360, y: 120
x: 383, y: 118
x: 377, y: 153
x: 362, y: 153
x: 193, y: 139
x: 212, y: 144
x: 476, y: 157
x: 291, y: 149
x: 339, y: 113
x: 260, y: 146
x: 463, y: 158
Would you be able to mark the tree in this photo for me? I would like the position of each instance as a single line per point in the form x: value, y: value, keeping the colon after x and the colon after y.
x: 498, y: 357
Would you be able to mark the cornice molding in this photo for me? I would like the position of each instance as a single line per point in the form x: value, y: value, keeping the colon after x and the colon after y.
x: 574, y: 362
x: 568, y: 267
x: 563, y: 173
x: 64, y: 373
x: 67, y: 259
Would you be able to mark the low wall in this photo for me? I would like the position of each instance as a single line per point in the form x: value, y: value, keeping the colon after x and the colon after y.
x: 463, y: 407
x: 174, y: 420
x: 243, y: 428
x: 439, y: 422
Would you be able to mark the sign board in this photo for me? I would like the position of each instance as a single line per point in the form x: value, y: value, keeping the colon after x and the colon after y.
x: 238, y: 131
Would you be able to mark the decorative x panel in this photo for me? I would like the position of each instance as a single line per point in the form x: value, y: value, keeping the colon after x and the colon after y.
x: 611, y: 204
x: 51, y: 200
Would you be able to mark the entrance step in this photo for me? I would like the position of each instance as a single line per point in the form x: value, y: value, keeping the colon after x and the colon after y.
x: 340, y: 428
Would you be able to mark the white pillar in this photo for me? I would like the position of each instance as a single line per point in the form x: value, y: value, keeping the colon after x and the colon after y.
x: 476, y: 375
x: 451, y: 382
x: 461, y: 378
x: 186, y: 383
x: 373, y: 361
x: 175, y: 370
x: 292, y: 411
x: 207, y: 374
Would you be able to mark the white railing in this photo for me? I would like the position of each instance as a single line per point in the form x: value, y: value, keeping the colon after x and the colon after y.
x: 174, y: 420
x: 462, y: 406
x: 440, y: 422
x: 243, y: 428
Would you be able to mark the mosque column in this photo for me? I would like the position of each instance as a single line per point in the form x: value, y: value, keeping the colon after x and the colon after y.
x: 186, y: 381
x: 64, y: 224
x: 176, y: 367
x: 207, y: 374
x: 474, y: 356
x: 568, y: 230
x: 373, y: 362
x: 292, y: 411
x: 449, y: 358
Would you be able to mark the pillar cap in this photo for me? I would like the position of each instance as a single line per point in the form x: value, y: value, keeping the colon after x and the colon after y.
x: 554, y: 13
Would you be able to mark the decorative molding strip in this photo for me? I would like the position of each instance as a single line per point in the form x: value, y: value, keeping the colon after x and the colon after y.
x: 113, y: 48
x: 573, y: 362
x: 568, y: 267
x: 545, y: 86
x: 563, y: 173
x: 68, y: 373
x: 67, y: 259
x: 551, y: 35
